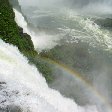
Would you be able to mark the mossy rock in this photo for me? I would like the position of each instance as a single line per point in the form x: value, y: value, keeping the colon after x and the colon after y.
x: 11, y: 33
x: 45, y: 68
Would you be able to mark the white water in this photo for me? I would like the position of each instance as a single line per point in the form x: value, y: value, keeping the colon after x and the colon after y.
x: 40, y: 40
x: 91, y: 32
x: 85, y: 30
x: 25, y: 86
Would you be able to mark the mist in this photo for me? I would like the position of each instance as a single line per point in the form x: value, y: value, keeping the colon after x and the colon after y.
x: 96, y: 66
x: 72, y: 87
x: 81, y: 6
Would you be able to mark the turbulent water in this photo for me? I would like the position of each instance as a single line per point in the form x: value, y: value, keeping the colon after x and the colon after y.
x: 60, y: 22
x: 72, y: 24
x: 25, y: 87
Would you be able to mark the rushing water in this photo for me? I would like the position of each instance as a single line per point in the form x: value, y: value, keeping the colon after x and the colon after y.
x: 25, y: 86
x: 69, y: 23
x: 53, y: 23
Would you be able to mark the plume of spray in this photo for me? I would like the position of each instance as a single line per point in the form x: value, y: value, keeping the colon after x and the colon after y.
x: 41, y: 40
x: 83, y: 6
x: 70, y: 86
x: 26, y: 87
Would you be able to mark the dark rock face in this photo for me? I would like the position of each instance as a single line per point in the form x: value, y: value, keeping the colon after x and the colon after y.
x: 11, y: 108
x: 2, y: 83
x: 21, y: 31
x: 105, y: 22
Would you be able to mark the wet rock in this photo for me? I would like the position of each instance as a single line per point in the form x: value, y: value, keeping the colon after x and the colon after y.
x: 104, y: 22
x: 13, y: 108
x: 2, y: 83
x: 2, y: 109
x: 21, y: 31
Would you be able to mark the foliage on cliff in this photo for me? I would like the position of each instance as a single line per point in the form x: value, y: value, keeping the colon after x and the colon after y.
x: 11, y: 33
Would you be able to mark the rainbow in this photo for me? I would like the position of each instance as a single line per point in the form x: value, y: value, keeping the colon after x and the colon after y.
x: 83, y: 81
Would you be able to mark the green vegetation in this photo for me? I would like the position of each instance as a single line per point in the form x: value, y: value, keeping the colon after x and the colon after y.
x: 43, y: 67
x: 11, y: 33
x: 81, y: 57
x: 74, y: 55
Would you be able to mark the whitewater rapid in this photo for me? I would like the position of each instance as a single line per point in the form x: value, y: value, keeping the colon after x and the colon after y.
x: 26, y: 88
x: 82, y: 29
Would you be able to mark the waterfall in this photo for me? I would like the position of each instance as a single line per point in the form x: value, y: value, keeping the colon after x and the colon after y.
x: 26, y: 87
x: 83, y: 29
x: 40, y: 40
